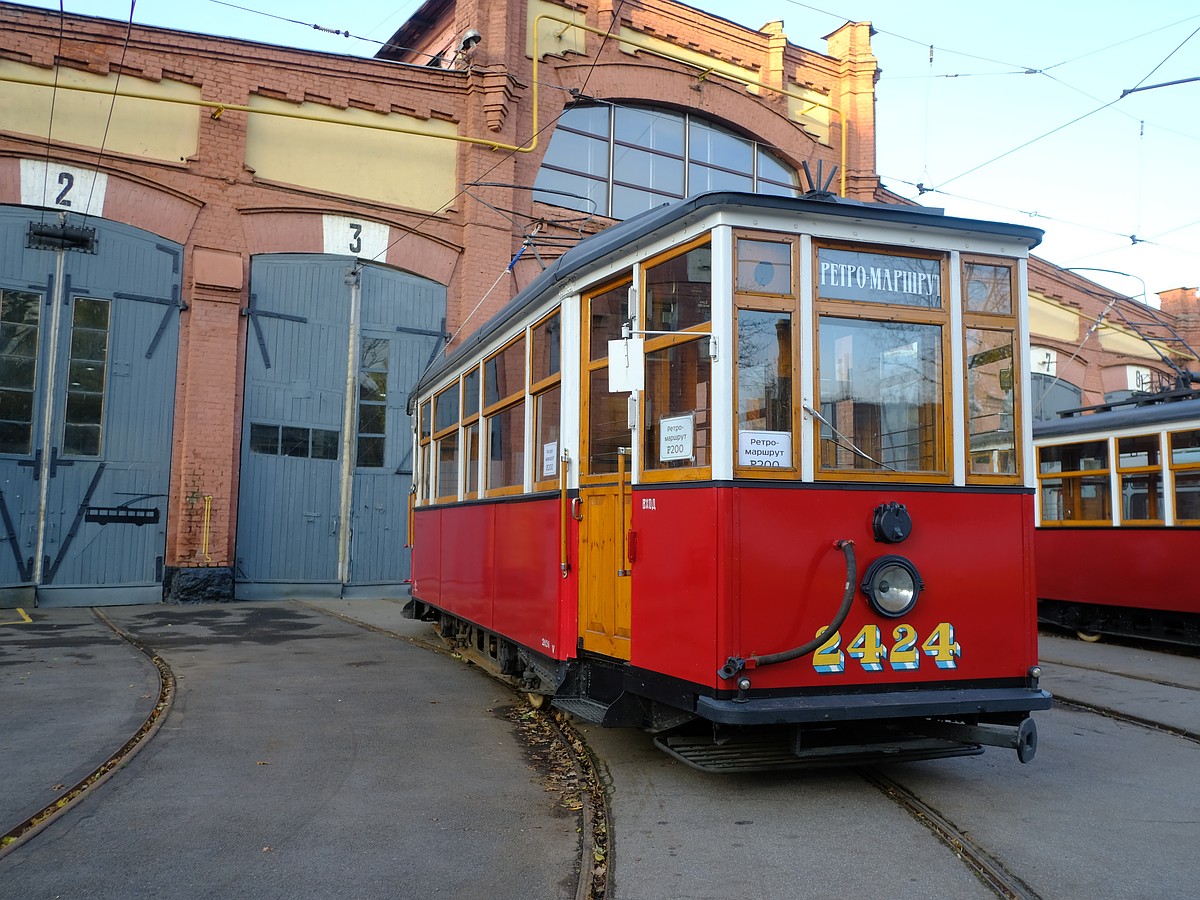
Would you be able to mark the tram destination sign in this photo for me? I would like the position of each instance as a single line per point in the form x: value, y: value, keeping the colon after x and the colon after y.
x: 879, y: 278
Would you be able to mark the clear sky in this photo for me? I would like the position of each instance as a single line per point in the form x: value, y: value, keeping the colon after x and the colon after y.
x: 1009, y: 111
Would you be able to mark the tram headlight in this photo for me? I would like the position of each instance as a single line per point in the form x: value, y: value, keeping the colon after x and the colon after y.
x: 892, y: 584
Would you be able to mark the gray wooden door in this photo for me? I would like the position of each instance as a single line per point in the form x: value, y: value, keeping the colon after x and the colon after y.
x: 89, y: 328
x: 333, y: 348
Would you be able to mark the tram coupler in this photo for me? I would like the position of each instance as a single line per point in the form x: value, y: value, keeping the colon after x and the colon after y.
x: 733, y: 666
x: 1022, y: 737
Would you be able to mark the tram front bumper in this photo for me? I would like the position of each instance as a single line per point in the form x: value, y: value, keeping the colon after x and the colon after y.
x: 841, y: 708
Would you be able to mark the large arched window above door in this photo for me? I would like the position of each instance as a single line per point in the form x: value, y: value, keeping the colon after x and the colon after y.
x: 618, y: 161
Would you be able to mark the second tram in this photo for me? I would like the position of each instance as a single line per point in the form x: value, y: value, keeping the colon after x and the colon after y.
x: 750, y: 472
x: 1118, y: 515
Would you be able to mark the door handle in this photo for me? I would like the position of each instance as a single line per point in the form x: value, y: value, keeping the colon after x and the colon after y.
x: 577, y: 509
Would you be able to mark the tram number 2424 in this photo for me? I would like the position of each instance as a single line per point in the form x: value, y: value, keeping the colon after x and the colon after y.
x: 870, y: 650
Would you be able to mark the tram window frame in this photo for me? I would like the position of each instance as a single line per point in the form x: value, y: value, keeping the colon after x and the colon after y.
x: 593, y: 383
x: 545, y: 394
x: 982, y: 317
x: 472, y: 382
x: 1072, y: 505
x: 766, y: 292
x: 830, y: 309
x: 694, y: 337
x: 446, y: 439
x: 1185, y: 474
x: 424, y: 451
x: 503, y: 412
x: 1150, y: 474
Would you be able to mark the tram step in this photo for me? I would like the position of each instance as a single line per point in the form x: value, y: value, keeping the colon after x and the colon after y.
x: 763, y: 753
x: 582, y: 708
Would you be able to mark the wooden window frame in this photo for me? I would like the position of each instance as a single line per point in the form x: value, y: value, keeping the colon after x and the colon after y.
x: 884, y: 313
x: 756, y: 301
x: 591, y: 369
x: 1175, y: 469
x: 994, y: 322
x: 1158, y: 469
x: 424, y: 453
x: 537, y: 390
x: 658, y: 342
x: 500, y: 406
x: 470, y: 420
x: 1071, y: 479
x: 440, y: 435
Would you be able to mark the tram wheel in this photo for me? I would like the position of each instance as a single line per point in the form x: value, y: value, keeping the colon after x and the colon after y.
x: 1090, y: 636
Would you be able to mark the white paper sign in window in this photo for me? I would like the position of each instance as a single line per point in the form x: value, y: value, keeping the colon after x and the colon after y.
x: 766, y: 449
x: 550, y: 459
x: 677, y: 438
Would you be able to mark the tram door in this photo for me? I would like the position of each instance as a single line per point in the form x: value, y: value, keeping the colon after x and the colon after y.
x: 604, y: 489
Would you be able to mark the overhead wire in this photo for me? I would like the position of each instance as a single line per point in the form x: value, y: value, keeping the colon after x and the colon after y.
x: 111, y: 107
x: 62, y: 25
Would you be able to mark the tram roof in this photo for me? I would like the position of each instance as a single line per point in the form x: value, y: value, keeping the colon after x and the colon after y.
x: 597, y: 249
x: 1153, y: 410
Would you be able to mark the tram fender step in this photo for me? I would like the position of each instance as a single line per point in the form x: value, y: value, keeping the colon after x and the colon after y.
x: 626, y: 711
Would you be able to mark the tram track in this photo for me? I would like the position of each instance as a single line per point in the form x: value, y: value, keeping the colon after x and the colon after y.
x: 986, y: 867
x: 559, y: 752
x: 77, y: 793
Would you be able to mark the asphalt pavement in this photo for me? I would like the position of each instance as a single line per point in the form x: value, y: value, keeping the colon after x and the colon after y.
x: 324, y: 749
x: 302, y: 756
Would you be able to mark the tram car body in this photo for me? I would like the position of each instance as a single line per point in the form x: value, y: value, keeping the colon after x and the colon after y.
x: 750, y: 472
x: 1118, y: 513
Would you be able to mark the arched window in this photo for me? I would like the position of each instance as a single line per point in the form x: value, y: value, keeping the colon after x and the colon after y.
x: 618, y: 161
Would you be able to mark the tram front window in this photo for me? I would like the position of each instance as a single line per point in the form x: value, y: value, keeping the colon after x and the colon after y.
x: 764, y: 388
x: 881, y: 396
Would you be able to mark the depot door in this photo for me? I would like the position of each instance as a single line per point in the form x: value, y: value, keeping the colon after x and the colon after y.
x: 89, y: 324
x: 333, y: 348
x: 605, y: 614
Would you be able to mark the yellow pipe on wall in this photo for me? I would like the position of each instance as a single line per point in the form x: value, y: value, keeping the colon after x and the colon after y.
x: 219, y: 108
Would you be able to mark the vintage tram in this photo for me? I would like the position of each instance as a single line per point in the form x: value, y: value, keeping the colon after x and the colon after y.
x: 749, y: 472
x: 1118, y: 513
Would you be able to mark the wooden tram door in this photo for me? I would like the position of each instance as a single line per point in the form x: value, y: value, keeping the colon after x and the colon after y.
x: 604, y: 484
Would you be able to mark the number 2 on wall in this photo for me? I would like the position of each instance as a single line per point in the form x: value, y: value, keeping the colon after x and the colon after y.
x: 67, y: 180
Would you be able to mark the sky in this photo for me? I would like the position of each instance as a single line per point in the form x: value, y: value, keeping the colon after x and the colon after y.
x: 1056, y: 113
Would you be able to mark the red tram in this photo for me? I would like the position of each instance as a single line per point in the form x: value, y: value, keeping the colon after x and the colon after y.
x: 1118, y: 514
x: 749, y: 472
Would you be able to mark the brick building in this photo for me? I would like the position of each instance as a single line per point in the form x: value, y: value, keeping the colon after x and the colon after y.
x: 224, y: 263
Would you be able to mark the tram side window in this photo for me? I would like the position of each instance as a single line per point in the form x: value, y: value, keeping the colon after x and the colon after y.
x: 765, y: 350
x: 1185, y: 466
x: 445, y: 436
x: 471, y: 425
x: 425, y: 462
x: 678, y: 397
x: 764, y: 389
x: 1139, y: 462
x: 992, y: 396
x: 607, y: 414
x: 504, y: 413
x: 545, y: 375
x: 881, y: 333
x: 1073, y: 482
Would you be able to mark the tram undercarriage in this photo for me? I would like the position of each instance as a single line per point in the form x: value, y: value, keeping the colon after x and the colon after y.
x: 740, y: 734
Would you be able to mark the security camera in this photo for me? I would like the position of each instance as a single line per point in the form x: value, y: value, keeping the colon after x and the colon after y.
x: 469, y: 40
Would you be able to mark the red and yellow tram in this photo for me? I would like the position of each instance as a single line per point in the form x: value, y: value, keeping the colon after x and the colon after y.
x: 1118, y: 514
x: 750, y: 472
